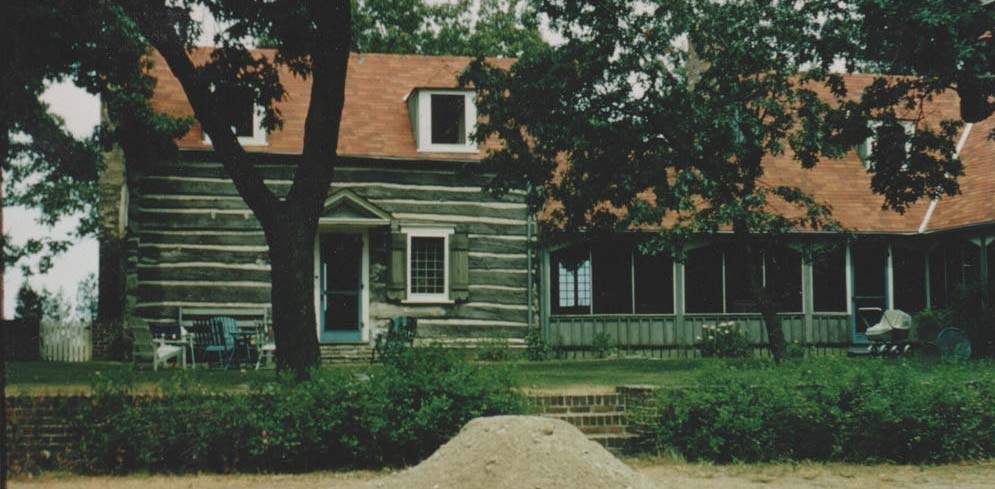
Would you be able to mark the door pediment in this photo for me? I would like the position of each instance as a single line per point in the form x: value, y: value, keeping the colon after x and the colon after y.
x: 346, y: 208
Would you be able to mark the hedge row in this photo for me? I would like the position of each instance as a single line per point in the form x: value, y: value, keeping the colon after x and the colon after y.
x: 397, y: 415
x: 846, y: 410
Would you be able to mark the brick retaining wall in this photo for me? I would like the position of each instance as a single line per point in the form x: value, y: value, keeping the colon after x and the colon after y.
x: 40, y: 433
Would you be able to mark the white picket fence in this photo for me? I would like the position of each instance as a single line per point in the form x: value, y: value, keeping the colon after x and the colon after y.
x: 65, y: 342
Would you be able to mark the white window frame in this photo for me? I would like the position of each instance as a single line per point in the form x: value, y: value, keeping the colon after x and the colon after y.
x: 867, y: 147
x: 422, y: 298
x: 425, y: 144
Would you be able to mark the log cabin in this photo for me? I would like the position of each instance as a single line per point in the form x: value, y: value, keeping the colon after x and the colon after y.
x: 408, y: 229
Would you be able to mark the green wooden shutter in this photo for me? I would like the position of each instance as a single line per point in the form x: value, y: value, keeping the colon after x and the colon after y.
x: 396, y: 271
x: 459, y: 267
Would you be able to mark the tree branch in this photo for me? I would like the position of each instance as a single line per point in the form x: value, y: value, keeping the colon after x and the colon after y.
x: 158, y: 24
x: 329, y: 62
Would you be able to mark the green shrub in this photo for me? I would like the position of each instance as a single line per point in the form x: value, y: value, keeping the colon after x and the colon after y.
x: 926, y: 324
x: 858, y: 411
x: 795, y: 350
x: 603, y: 345
x: 723, y: 340
x: 425, y: 397
x: 398, y: 415
x: 537, y: 348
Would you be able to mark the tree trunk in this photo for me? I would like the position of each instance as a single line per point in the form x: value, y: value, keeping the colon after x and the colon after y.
x: 291, y: 251
x: 764, y: 297
x: 775, y: 333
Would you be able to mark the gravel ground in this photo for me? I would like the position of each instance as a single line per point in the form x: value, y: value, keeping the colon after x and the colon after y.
x: 665, y: 473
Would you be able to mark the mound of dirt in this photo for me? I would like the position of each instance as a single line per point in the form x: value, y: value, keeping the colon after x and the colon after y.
x: 518, y: 452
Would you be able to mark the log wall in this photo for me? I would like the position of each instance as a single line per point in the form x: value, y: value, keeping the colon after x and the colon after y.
x: 199, y: 246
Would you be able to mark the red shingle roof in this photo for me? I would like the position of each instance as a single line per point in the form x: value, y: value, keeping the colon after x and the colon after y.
x: 375, y: 120
x: 375, y: 123
x: 976, y: 202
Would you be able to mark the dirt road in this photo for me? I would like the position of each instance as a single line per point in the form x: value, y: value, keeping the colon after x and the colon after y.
x: 666, y: 473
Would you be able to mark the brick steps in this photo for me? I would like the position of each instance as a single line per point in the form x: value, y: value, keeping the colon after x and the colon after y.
x: 602, y: 417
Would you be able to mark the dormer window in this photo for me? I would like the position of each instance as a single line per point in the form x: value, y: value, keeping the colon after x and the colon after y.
x: 247, y: 121
x: 443, y: 120
x: 866, y: 149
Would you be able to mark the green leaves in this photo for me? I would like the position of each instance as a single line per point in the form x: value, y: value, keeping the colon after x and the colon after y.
x: 827, y: 410
x: 467, y: 28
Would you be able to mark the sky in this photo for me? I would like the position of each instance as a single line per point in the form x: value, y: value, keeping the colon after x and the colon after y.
x: 81, y: 112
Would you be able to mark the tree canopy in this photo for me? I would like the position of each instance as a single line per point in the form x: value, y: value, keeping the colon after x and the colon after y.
x: 945, y: 45
x: 665, y: 112
x: 44, y: 166
x: 463, y: 27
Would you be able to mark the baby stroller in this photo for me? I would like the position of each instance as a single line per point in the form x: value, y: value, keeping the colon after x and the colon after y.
x: 890, y: 336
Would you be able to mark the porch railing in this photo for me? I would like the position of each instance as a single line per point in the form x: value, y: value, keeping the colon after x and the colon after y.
x: 665, y: 332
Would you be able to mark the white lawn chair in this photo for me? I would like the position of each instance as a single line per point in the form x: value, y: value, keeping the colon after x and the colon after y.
x: 148, y: 348
x: 266, y: 345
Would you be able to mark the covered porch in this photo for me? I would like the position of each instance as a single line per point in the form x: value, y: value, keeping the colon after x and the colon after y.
x: 656, y: 306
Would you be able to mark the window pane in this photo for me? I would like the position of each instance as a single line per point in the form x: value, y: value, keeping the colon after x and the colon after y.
x: 428, y: 266
x: 783, y: 273
x: 829, y: 281
x: 703, y: 280
x: 654, y: 284
x: 739, y: 297
x: 244, y: 110
x: 612, y: 279
x: 571, y: 276
x: 954, y: 268
x: 448, y: 119
x: 909, y: 279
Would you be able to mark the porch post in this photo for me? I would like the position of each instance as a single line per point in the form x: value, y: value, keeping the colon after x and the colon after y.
x: 983, y: 272
x: 678, y: 296
x: 808, y: 299
x: 890, y: 280
x: 544, y: 286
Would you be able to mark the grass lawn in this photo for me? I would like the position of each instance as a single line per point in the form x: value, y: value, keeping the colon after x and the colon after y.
x: 597, y: 375
x: 557, y: 376
x: 39, y: 378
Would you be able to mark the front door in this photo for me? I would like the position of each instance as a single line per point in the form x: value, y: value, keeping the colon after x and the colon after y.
x: 870, y: 279
x: 341, y: 288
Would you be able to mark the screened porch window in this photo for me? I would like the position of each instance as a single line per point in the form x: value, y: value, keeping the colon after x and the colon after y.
x: 829, y: 281
x: 611, y: 279
x: 954, y: 268
x: 909, y: 269
x: 703, y: 280
x: 718, y: 280
x: 654, y: 281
